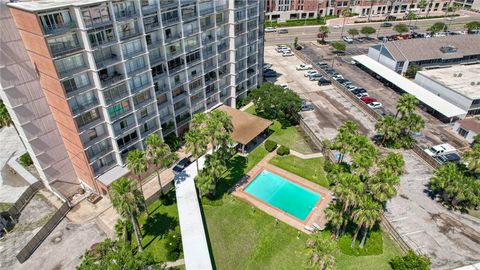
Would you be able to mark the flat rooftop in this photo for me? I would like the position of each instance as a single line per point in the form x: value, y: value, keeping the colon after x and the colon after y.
x: 44, y: 5
x: 463, y: 79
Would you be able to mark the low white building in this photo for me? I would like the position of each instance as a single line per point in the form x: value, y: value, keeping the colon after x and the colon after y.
x: 467, y: 128
x: 460, y: 85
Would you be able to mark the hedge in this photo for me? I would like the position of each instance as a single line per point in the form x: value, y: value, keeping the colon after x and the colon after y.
x: 270, y: 145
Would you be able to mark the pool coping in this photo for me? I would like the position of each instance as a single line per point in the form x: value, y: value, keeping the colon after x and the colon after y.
x: 316, y: 215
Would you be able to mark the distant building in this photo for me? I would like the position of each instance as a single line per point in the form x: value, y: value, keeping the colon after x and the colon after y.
x: 427, y: 52
x: 467, y: 128
x: 469, y: 4
x: 301, y: 9
x: 460, y: 85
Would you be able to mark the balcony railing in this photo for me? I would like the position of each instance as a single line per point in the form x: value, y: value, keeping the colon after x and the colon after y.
x: 111, y: 79
x: 149, y: 130
x: 84, y: 107
x: 182, y: 119
x: 125, y: 14
x: 151, y: 26
x: 129, y: 34
x: 168, y: 127
x: 155, y: 59
x: 58, y: 28
x: 170, y: 21
x: 205, y: 11
x: 172, y: 37
x: 103, y: 151
x: 149, y: 9
x: 166, y: 117
x: 168, y: 3
x: 179, y: 97
x: 61, y: 48
x: 106, y: 61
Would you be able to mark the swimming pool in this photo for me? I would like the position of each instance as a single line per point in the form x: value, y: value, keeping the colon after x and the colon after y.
x: 283, y: 194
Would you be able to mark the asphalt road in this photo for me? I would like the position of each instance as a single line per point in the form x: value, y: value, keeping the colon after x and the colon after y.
x: 309, y: 33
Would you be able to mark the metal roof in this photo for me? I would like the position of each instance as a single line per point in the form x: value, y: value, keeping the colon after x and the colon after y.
x: 433, y: 101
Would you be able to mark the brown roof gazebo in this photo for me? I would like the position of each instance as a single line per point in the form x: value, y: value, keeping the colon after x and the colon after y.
x: 246, y: 126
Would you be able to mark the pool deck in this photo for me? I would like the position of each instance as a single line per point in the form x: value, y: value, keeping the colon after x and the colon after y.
x: 316, y: 215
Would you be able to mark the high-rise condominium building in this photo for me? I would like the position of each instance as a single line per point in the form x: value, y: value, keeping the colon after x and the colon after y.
x: 114, y: 72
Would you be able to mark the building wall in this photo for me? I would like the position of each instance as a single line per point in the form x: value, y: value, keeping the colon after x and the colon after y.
x: 443, y: 92
x: 21, y: 92
x: 386, y: 61
x: 468, y: 136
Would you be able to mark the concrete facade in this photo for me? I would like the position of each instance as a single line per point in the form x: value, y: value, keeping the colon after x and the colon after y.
x: 114, y: 72
x: 468, y: 128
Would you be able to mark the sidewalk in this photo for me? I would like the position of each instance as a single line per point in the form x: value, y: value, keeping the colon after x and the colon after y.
x: 305, y: 156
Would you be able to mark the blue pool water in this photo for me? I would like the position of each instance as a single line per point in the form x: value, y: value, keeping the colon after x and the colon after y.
x: 283, y: 194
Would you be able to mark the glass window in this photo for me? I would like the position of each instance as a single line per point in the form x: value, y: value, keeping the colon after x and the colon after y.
x: 96, y: 14
x: 131, y: 48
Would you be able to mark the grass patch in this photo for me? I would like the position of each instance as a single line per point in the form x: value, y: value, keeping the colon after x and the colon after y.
x: 299, y: 22
x: 290, y: 136
x: 311, y: 169
x: 474, y: 213
x: 163, y: 218
x: 5, y: 206
x: 373, y: 243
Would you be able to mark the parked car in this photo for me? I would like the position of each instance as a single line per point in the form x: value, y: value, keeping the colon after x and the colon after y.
x: 284, y: 85
x: 270, y: 29
x: 441, y: 149
x: 375, y: 105
x: 323, y: 81
x: 181, y: 165
x: 452, y: 157
x: 285, y: 54
x: 322, y: 64
x: 280, y: 48
x: 315, y: 77
x: 337, y: 26
x: 310, y: 73
x: 368, y: 99
x: 351, y: 87
x: 266, y: 66
x: 358, y: 91
x: 270, y: 73
x: 307, y: 106
x: 337, y: 77
x: 329, y: 71
x: 304, y: 67
x: 347, y: 39
x: 362, y: 95
x: 341, y: 81
x: 282, y: 31
x: 386, y: 24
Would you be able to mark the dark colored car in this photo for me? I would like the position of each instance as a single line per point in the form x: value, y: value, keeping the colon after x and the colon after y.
x: 181, y: 165
x: 358, y: 91
x: 269, y: 73
x: 452, y: 157
x: 323, y: 81
x: 386, y: 24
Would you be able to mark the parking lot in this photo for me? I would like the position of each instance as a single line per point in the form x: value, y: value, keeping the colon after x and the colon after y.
x: 451, y: 239
x: 435, y: 131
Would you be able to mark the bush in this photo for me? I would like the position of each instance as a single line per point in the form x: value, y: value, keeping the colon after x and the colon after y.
x: 173, y: 141
x: 283, y: 150
x: 410, y: 261
x: 270, y: 145
x: 25, y: 160
x: 173, y: 244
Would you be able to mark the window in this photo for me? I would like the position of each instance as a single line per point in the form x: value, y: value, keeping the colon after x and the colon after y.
x: 55, y: 20
x: 119, y: 109
x: 158, y: 70
x: 131, y: 48
x: 76, y: 83
x: 142, y: 97
x: 70, y: 63
x: 115, y: 93
x: 193, y: 57
x: 87, y: 117
x: 139, y: 81
x: 196, y: 84
x: 63, y: 43
x: 191, y: 43
x: 189, y: 12
x: 92, y: 134
x: 124, y: 9
x: 135, y: 64
x: 102, y: 36
x: 143, y: 113
x: 96, y: 14
x: 127, y: 139
x: 175, y: 63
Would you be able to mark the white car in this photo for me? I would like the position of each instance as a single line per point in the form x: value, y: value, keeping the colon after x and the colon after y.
x: 450, y: 18
x: 285, y: 54
x: 337, y: 77
x: 337, y: 26
x: 270, y: 29
x: 310, y: 73
x: 281, y: 48
x: 348, y: 39
x: 284, y: 85
x: 304, y: 67
x: 375, y: 105
x: 361, y: 95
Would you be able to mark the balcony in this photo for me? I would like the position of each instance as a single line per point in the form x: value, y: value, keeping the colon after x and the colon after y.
x: 182, y: 119
x: 58, y: 28
x: 153, y: 44
x: 176, y: 69
x: 172, y: 37
x: 166, y: 117
x: 164, y: 4
x: 79, y: 108
x: 149, y: 130
x: 205, y: 11
x: 106, y: 61
x: 155, y: 59
x: 170, y: 21
x: 61, y: 48
x: 125, y: 14
x: 72, y: 91
x: 124, y: 35
x: 108, y: 80
x: 168, y: 127
x: 149, y: 9
x: 94, y: 155
x: 72, y: 71
x: 151, y: 26
x: 97, y: 170
x: 180, y: 109
x: 179, y: 97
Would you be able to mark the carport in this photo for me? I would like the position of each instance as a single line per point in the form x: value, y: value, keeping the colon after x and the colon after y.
x: 436, y: 105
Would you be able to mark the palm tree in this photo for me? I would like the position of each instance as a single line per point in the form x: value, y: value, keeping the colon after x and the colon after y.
x: 365, y: 215
x: 472, y: 157
x: 388, y: 127
x: 215, y: 165
x: 345, y: 13
x: 219, y: 127
x: 159, y: 153
x: 363, y: 160
x: 411, y: 16
x: 347, y: 190
x: 205, y: 183
x: 412, y: 123
x: 335, y: 217
x: 406, y: 105
x: 196, y: 144
x: 383, y: 185
x: 320, y: 252
x: 324, y: 31
x: 126, y: 199
x: 123, y: 229
x: 137, y: 163
x: 5, y: 120
x: 392, y: 161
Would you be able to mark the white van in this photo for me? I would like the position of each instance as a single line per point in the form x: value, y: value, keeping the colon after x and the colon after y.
x: 441, y: 149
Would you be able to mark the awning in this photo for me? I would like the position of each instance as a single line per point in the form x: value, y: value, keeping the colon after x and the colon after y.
x: 246, y: 127
x: 428, y: 98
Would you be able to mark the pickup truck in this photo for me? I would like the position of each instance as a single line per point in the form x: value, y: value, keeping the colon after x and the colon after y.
x: 440, y: 150
x: 304, y: 67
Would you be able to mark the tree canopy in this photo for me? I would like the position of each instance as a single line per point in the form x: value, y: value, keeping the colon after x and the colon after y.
x: 401, y: 28
x: 353, y: 32
x: 275, y: 102
x: 437, y: 27
x: 5, y: 119
x: 410, y: 261
x: 367, y: 30
x: 472, y: 26
x: 338, y: 46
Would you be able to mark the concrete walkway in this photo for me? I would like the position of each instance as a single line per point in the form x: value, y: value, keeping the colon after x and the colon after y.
x: 194, y: 240
x: 246, y: 106
x: 305, y: 156
x: 174, y: 264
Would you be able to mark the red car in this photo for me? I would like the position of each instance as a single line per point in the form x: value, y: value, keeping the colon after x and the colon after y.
x: 368, y: 100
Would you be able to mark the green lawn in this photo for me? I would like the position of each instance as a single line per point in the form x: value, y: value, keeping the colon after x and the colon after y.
x: 243, y: 237
x: 162, y: 219
x: 289, y: 136
x: 311, y: 169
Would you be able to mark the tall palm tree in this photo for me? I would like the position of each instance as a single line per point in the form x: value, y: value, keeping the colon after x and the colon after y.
x: 215, y: 165
x: 345, y: 13
x: 320, y: 252
x: 412, y: 123
x: 472, y: 157
x: 206, y: 183
x: 388, y: 127
x: 383, y: 185
x: 123, y: 229
x: 126, y: 199
x: 365, y: 215
x: 363, y: 160
x: 347, y: 189
x: 196, y: 143
x: 335, y: 217
x: 406, y: 105
x: 392, y: 161
x: 137, y: 163
x: 159, y: 153
x: 219, y: 126
x: 5, y: 120
x: 324, y: 31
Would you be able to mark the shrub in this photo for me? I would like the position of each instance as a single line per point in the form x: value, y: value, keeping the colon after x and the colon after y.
x: 270, y: 145
x: 25, y: 160
x: 410, y: 261
x: 173, y: 141
x: 283, y: 150
x: 173, y: 245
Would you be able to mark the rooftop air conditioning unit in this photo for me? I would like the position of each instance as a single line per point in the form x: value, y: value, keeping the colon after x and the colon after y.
x: 459, y: 75
x: 454, y: 75
x: 472, y: 83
